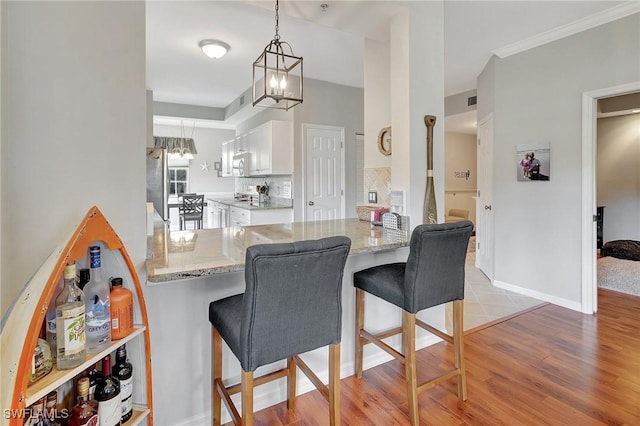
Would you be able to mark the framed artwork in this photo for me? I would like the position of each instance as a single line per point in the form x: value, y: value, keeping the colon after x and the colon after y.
x: 533, y: 162
x: 217, y: 166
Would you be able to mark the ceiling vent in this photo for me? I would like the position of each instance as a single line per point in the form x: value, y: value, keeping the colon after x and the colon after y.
x: 472, y: 100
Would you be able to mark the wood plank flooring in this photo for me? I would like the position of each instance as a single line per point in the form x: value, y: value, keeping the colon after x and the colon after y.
x: 548, y: 366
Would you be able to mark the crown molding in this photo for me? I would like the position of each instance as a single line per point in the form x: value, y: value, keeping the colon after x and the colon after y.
x: 617, y: 12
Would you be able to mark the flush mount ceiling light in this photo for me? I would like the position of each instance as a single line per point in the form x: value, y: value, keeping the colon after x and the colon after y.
x: 277, y: 75
x: 214, y: 48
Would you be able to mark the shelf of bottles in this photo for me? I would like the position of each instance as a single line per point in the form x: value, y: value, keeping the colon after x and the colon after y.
x: 56, y: 377
x: 24, y: 323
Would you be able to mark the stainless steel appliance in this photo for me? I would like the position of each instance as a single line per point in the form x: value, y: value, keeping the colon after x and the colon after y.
x: 240, y: 164
x: 158, y: 181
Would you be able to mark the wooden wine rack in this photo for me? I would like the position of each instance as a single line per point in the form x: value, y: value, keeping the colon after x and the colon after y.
x: 22, y: 324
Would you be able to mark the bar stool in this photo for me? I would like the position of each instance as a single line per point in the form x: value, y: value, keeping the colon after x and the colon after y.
x: 432, y: 275
x: 292, y: 304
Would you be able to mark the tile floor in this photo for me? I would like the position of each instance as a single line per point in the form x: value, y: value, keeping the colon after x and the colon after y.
x: 484, y: 303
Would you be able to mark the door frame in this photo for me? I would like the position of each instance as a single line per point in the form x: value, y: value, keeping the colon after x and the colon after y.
x: 589, y: 155
x: 305, y: 127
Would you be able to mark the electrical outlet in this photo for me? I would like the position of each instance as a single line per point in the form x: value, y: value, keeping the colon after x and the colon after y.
x: 373, y: 197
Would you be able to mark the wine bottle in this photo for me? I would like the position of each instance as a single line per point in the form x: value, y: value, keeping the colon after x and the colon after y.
x: 70, y: 322
x: 85, y: 412
x: 108, y: 396
x: 123, y: 370
x: 97, y: 306
x: 121, y: 310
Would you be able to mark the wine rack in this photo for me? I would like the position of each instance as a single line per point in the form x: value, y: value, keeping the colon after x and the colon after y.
x: 21, y: 326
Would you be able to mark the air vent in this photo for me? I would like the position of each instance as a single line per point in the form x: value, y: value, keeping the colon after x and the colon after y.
x: 241, y: 100
x: 472, y: 100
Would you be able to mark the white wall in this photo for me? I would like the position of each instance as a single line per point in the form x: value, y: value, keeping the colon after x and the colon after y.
x: 377, y: 92
x: 618, y: 176
x: 460, y: 153
x: 209, y: 145
x: 76, y: 127
x: 5, y: 293
x: 536, y: 97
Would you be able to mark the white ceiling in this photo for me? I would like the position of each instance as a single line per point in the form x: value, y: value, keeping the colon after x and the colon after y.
x: 330, y: 41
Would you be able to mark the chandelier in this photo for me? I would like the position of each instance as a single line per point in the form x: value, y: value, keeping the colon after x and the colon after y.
x: 277, y: 75
x: 182, y: 148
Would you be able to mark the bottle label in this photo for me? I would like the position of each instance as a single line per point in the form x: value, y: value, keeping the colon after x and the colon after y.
x: 51, y: 325
x: 72, y: 330
x: 94, y: 255
x: 91, y: 421
x: 110, y: 412
x: 114, y: 323
x: 126, y: 388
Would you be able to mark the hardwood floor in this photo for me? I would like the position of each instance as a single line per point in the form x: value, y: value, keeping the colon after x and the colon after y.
x: 550, y: 366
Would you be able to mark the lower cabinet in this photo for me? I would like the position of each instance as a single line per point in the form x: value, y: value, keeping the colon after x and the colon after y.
x: 23, y: 324
x: 245, y: 217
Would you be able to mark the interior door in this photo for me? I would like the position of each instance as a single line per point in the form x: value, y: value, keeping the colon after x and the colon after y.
x: 484, y: 206
x: 324, y: 178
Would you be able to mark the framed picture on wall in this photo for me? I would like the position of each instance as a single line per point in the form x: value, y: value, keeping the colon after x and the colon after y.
x: 533, y: 162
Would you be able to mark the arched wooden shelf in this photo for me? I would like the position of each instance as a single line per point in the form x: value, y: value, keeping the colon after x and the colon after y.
x: 21, y: 325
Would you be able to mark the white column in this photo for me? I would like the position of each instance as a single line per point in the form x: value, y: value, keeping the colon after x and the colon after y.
x: 417, y: 89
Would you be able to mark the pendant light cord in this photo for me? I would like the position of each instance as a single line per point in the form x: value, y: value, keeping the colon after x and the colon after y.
x: 277, y: 36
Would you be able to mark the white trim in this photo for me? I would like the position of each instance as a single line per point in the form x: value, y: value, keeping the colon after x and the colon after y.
x: 565, y: 303
x: 589, y: 143
x: 614, y: 13
x: 305, y: 127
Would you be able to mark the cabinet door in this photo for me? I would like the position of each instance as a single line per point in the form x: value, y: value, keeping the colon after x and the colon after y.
x: 228, y: 151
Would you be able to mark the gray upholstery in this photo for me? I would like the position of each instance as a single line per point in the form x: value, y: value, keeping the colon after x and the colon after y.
x: 292, y: 301
x: 433, y: 273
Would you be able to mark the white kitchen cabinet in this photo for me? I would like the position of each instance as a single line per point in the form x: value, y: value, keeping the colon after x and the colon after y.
x: 245, y: 217
x: 228, y: 151
x: 271, y: 147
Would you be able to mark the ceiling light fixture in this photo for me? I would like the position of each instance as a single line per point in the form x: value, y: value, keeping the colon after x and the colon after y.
x: 214, y: 48
x: 277, y: 74
x: 182, y: 148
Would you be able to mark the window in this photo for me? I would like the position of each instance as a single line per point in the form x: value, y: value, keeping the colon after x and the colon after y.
x: 178, y: 180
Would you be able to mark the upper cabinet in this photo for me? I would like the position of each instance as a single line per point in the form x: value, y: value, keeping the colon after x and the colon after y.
x: 228, y: 150
x: 271, y: 149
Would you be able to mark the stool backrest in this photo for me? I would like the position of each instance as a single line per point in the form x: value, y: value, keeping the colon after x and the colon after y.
x: 293, y: 299
x: 435, y: 268
x: 193, y: 204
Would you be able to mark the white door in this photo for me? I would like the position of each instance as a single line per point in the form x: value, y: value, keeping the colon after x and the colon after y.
x: 324, y: 175
x: 484, y: 207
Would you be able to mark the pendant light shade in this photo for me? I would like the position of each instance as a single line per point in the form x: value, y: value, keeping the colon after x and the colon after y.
x: 277, y: 75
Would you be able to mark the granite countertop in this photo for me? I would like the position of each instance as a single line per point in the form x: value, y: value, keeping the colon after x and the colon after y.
x: 248, y: 206
x: 179, y: 255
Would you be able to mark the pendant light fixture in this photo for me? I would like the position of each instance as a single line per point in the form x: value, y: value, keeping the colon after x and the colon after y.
x: 182, y: 148
x: 277, y: 75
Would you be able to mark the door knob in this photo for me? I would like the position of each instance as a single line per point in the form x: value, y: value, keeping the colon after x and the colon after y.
x: 487, y: 207
x: 311, y: 203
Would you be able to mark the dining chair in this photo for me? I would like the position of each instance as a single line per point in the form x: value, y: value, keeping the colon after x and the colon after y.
x: 192, y: 210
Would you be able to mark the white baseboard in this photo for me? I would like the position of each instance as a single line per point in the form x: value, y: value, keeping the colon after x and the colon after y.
x: 565, y: 303
x: 263, y: 399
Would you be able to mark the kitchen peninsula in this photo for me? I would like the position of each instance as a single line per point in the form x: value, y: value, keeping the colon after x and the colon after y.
x: 189, y: 269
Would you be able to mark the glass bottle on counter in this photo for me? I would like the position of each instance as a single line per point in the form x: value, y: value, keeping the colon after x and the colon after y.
x: 70, y: 323
x: 108, y: 396
x: 123, y: 370
x: 97, y: 306
x: 85, y: 412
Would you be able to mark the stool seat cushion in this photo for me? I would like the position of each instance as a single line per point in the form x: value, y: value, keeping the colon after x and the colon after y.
x: 226, y: 316
x: 384, y: 281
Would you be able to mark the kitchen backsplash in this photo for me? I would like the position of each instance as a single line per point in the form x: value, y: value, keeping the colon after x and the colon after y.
x: 280, y: 186
x: 378, y: 179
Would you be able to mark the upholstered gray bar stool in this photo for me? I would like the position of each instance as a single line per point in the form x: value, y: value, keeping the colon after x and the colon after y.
x: 292, y: 304
x: 432, y: 275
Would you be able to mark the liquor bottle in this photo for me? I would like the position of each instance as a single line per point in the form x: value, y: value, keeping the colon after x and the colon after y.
x: 85, y: 412
x: 50, y: 323
x: 121, y: 310
x: 94, y: 375
x: 36, y: 414
x: 41, y: 362
x: 97, y: 306
x: 51, y: 409
x: 84, y: 277
x: 123, y: 370
x: 70, y: 322
x: 108, y: 396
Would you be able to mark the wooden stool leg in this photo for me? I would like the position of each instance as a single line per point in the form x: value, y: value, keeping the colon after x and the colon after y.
x: 409, y: 346
x: 458, y: 348
x: 247, y: 398
x: 334, y: 384
x: 359, y: 327
x: 216, y: 374
x: 291, y: 384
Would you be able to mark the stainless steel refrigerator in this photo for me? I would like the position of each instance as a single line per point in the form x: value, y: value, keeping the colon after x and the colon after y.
x: 158, y: 181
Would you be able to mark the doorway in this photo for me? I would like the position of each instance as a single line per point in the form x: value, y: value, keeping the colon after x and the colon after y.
x: 323, y: 172
x: 589, y: 212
